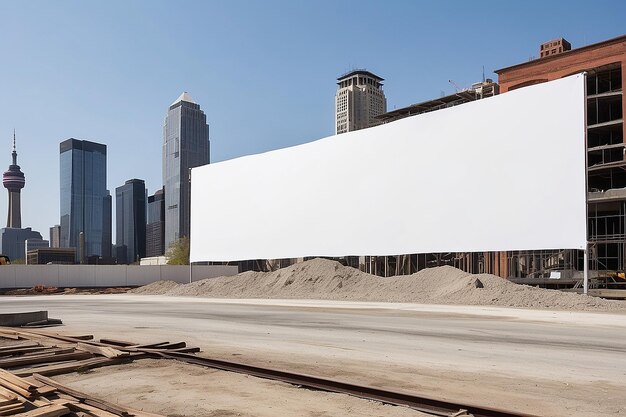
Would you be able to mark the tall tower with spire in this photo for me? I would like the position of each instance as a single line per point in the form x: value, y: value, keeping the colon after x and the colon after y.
x: 185, y: 146
x: 13, y: 180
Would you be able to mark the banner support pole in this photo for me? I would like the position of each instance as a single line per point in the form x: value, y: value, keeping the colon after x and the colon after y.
x: 586, y: 269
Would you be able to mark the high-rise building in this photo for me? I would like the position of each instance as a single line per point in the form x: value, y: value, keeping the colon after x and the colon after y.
x: 155, y: 229
x: 85, y: 203
x: 130, y: 220
x: 55, y: 236
x: 359, y: 99
x: 185, y: 146
x: 13, y: 180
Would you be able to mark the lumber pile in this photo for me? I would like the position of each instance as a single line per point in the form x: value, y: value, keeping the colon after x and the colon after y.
x: 40, y: 396
x: 29, y: 357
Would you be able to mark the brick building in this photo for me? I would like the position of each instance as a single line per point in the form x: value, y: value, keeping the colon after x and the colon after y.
x: 606, y: 152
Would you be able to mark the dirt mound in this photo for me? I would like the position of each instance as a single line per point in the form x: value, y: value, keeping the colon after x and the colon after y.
x: 328, y: 280
x: 156, y: 288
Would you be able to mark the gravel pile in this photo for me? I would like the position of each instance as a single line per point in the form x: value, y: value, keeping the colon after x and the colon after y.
x: 329, y: 280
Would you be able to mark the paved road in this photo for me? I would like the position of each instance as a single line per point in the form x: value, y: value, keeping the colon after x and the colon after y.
x: 551, y: 363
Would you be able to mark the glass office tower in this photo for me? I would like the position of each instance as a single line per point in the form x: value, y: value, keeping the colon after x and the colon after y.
x: 155, y: 229
x: 130, y: 220
x: 85, y: 201
x: 185, y: 146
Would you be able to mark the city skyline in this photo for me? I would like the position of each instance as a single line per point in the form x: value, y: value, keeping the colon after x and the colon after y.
x: 70, y: 75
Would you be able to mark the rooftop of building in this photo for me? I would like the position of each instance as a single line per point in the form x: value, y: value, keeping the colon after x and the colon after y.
x: 185, y: 96
x: 83, y: 145
x: 360, y: 72
x: 460, y: 97
x: 563, y: 54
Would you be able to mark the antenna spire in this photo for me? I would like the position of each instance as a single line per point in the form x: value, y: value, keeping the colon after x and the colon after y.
x: 14, y: 149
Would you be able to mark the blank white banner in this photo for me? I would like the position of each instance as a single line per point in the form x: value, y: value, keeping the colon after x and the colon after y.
x: 503, y: 173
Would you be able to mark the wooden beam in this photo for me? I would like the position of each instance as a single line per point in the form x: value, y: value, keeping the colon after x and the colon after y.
x: 54, y: 410
x: 32, y: 360
x: 19, y: 346
x: 16, y: 380
x: 108, y: 352
x: 86, y: 398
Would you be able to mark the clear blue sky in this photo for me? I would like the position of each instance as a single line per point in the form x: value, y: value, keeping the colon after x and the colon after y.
x: 263, y: 71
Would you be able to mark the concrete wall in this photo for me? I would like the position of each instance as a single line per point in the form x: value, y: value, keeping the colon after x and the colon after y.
x: 27, y: 276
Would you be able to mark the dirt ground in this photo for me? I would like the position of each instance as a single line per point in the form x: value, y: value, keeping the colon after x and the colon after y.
x: 177, y: 389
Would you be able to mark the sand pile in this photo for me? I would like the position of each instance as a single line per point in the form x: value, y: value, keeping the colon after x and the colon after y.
x: 329, y: 280
x: 156, y: 288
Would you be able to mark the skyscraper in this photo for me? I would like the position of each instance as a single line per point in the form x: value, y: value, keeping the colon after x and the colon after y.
x: 13, y: 180
x: 359, y: 99
x: 85, y: 201
x: 155, y: 229
x: 185, y: 146
x: 130, y: 220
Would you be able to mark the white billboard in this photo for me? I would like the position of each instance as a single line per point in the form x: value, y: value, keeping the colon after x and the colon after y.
x: 502, y: 173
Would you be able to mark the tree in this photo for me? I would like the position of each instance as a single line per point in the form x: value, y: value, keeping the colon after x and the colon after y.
x: 178, y: 252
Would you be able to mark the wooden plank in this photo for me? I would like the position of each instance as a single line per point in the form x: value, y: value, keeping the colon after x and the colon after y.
x: 46, y: 390
x: 116, y: 342
x: 73, y: 366
x: 149, y: 345
x: 19, y: 346
x: 86, y: 398
x: 108, y: 352
x: 32, y: 360
x: 9, y: 395
x: 41, y: 402
x: 54, y: 410
x: 91, y: 410
x: 175, y: 345
x: 83, y: 337
x: 4, y: 403
x: 49, y: 351
x: 42, y: 389
x: 17, y: 408
x: 16, y: 380
x: 18, y: 390
x: 25, y: 350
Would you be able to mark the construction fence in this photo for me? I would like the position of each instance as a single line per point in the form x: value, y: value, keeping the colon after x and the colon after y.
x: 27, y: 276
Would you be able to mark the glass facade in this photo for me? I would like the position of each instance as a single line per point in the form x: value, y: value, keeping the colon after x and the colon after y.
x: 130, y: 204
x: 85, y: 202
x: 155, y: 229
x: 185, y: 146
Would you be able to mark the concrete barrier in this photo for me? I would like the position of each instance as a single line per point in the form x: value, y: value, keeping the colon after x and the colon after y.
x: 20, y: 319
x: 27, y: 276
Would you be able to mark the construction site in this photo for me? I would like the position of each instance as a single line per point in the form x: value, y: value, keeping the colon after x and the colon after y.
x: 459, y: 334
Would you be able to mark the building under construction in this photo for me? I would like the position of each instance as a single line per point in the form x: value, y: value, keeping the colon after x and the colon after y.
x: 606, y: 172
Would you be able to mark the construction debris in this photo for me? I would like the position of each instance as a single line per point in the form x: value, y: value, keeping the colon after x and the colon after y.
x: 25, y: 368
